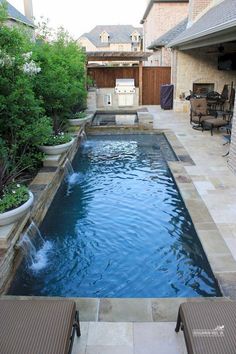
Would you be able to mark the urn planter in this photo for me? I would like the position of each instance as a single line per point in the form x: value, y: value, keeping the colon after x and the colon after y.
x: 80, y: 121
x: 56, y: 149
x: 11, y: 216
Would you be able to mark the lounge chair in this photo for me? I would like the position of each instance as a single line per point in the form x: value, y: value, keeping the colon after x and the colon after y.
x: 209, y: 327
x: 37, y: 326
x: 199, y: 112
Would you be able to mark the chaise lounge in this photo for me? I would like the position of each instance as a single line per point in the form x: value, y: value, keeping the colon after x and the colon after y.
x: 37, y: 326
x: 209, y: 327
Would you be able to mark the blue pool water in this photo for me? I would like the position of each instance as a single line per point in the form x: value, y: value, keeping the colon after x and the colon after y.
x: 119, y: 229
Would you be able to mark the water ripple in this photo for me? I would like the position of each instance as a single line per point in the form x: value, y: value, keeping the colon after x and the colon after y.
x: 122, y: 231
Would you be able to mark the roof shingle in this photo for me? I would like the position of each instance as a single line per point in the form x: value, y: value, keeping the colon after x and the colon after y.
x: 16, y: 15
x: 222, y: 15
x: 117, y: 34
x: 170, y: 35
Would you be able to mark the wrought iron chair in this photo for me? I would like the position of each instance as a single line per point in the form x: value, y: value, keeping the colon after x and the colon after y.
x: 199, y: 112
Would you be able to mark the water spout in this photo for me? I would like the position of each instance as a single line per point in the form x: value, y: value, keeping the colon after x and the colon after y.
x: 68, y: 167
x: 83, y: 134
x: 34, y: 247
x: 71, y: 177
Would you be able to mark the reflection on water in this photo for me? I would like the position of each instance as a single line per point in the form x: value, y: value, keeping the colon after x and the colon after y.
x: 122, y: 231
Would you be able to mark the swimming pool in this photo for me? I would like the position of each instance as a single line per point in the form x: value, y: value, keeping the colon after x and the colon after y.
x: 119, y: 228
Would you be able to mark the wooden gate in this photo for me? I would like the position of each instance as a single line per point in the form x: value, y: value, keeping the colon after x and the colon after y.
x: 152, y: 79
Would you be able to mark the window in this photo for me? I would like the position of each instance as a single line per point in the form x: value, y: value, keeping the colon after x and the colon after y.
x: 135, y: 37
x: 104, y: 37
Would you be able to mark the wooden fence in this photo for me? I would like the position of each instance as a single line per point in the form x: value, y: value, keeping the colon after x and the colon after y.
x: 152, y: 79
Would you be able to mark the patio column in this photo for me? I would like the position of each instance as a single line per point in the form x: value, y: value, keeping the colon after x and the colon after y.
x: 232, y: 152
x: 140, y: 83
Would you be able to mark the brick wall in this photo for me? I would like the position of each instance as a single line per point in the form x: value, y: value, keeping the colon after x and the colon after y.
x: 196, y: 7
x: 232, y: 153
x: 161, y: 18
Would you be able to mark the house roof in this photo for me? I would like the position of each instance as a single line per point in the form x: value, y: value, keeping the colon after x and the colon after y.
x: 151, y: 2
x: 16, y: 15
x: 218, y: 19
x: 117, y: 34
x: 170, y: 35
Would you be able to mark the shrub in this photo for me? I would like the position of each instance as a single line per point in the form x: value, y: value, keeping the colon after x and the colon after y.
x: 23, y: 124
x: 57, y: 139
x: 13, y: 196
x: 61, y: 83
x: 78, y: 115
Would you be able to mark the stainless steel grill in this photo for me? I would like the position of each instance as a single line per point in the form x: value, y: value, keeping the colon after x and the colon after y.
x: 125, y: 86
x: 125, y: 89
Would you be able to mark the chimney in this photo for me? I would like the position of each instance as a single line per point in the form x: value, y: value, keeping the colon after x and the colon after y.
x: 28, y: 6
x: 196, y: 7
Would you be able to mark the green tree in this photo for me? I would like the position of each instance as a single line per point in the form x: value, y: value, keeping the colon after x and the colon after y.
x: 23, y: 124
x: 61, y: 84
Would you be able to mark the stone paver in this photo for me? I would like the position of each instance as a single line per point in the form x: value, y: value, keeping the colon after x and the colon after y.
x: 152, y: 338
x: 125, y: 310
x: 129, y: 338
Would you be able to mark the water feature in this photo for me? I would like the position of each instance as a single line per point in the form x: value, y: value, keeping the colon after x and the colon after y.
x: 71, y: 177
x: 123, y: 231
x: 83, y: 134
x: 35, y: 248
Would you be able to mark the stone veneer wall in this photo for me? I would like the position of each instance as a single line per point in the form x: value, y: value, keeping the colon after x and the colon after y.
x: 232, y: 153
x: 195, y: 66
x: 161, y: 18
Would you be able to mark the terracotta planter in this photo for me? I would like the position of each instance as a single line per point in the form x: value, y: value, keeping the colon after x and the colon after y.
x: 9, y: 217
x: 81, y: 121
x: 56, y: 149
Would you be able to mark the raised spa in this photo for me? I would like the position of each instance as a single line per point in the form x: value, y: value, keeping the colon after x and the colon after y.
x: 118, y: 228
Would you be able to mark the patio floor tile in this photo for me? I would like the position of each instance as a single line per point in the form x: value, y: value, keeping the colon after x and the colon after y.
x: 111, y: 334
x: 153, y: 338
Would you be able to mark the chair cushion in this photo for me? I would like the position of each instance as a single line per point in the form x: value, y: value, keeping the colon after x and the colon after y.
x: 195, y: 119
x: 215, y: 122
x: 36, y: 326
x: 198, y: 106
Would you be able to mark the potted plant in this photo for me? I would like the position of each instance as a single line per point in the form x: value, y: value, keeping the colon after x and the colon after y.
x: 80, y: 118
x: 15, y: 198
x: 15, y: 202
x: 57, y: 144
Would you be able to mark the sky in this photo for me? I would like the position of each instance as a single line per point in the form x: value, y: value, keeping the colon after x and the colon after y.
x: 80, y: 16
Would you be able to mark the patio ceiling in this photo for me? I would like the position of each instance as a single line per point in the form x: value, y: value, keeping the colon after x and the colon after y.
x: 117, y: 56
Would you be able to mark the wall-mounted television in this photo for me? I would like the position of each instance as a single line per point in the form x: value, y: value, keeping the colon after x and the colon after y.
x: 227, y: 62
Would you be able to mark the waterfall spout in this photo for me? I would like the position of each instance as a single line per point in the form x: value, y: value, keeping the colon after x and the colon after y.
x: 34, y: 247
x: 71, y: 177
x: 69, y: 168
x: 83, y: 135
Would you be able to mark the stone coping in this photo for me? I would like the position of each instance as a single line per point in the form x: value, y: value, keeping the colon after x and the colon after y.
x: 124, y: 310
x: 217, y: 252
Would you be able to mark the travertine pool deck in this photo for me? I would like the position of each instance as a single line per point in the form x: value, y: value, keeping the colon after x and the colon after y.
x: 214, y: 185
